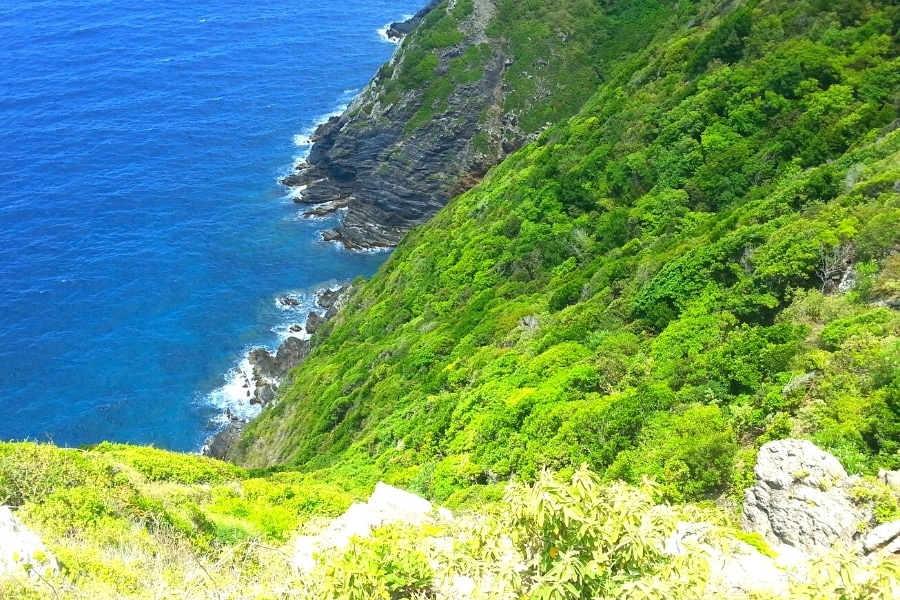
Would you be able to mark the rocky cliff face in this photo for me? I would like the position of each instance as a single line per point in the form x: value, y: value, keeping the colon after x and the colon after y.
x: 404, y: 147
x: 470, y: 83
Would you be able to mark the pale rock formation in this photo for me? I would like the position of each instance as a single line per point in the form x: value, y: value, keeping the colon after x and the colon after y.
x: 884, y: 537
x: 21, y: 550
x: 802, y: 498
x: 890, y: 478
x: 387, y: 505
x: 739, y: 569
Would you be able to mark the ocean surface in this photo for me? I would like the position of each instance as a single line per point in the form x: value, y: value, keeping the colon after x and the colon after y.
x: 144, y: 240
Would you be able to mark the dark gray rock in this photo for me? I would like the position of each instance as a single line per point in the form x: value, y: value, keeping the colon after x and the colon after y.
x: 264, y: 395
x: 268, y: 368
x: 220, y: 445
x: 291, y: 352
x: 391, y: 179
x: 313, y: 321
x: 395, y: 31
x: 263, y: 364
x: 327, y: 298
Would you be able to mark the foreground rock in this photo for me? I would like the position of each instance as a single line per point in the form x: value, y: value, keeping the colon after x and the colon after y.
x: 21, y: 550
x: 741, y: 570
x: 802, y: 498
x: 387, y: 505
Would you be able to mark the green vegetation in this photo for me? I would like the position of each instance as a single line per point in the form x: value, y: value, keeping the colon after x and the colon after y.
x: 556, y: 53
x: 555, y: 540
x: 99, y: 494
x: 144, y: 523
x: 705, y: 258
x: 650, y: 288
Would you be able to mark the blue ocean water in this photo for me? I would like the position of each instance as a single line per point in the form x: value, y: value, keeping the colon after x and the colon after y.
x: 143, y: 237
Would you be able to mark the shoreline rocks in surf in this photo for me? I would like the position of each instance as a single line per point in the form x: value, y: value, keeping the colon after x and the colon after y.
x: 397, y: 31
x: 269, y: 372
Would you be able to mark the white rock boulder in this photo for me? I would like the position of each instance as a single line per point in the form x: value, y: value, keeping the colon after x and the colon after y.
x: 387, y: 505
x: 21, y: 550
x: 801, y: 498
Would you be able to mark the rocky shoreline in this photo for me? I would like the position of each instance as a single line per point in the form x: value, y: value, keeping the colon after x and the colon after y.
x: 270, y: 371
x: 389, y: 176
x: 396, y: 31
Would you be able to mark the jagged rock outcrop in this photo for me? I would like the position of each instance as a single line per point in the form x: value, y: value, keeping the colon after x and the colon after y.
x: 289, y: 354
x: 388, y: 170
x: 270, y: 370
x: 219, y: 445
x: 386, y: 505
x: 396, y: 31
x: 21, y: 550
x: 802, y: 498
x: 313, y: 321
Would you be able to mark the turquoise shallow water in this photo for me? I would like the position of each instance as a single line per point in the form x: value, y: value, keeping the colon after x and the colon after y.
x: 143, y: 237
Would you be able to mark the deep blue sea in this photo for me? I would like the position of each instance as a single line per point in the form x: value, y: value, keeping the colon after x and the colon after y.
x: 144, y: 239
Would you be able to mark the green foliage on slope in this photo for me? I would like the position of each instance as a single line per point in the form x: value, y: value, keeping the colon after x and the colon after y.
x: 554, y: 53
x: 104, y: 492
x: 145, y: 523
x: 554, y: 540
x: 650, y: 288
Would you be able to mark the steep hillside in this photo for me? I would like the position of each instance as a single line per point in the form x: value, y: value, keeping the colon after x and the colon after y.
x: 703, y: 259
x: 469, y: 85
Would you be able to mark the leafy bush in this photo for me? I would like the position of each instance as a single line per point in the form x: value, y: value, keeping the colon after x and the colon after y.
x: 158, y: 465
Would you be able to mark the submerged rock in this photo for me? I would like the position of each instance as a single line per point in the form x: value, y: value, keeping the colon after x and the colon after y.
x: 21, y: 550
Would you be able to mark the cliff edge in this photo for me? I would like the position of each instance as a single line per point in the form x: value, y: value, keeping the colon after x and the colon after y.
x: 470, y: 83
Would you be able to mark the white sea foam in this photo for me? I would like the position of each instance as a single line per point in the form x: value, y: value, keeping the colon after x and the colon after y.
x: 303, y: 140
x: 234, y: 397
x: 337, y: 245
x: 284, y: 331
x: 382, y: 33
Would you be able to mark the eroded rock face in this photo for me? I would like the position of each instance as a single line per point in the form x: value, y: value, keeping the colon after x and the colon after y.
x: 802, y: 498
x: 21, y: 550
x: 389, y: 176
